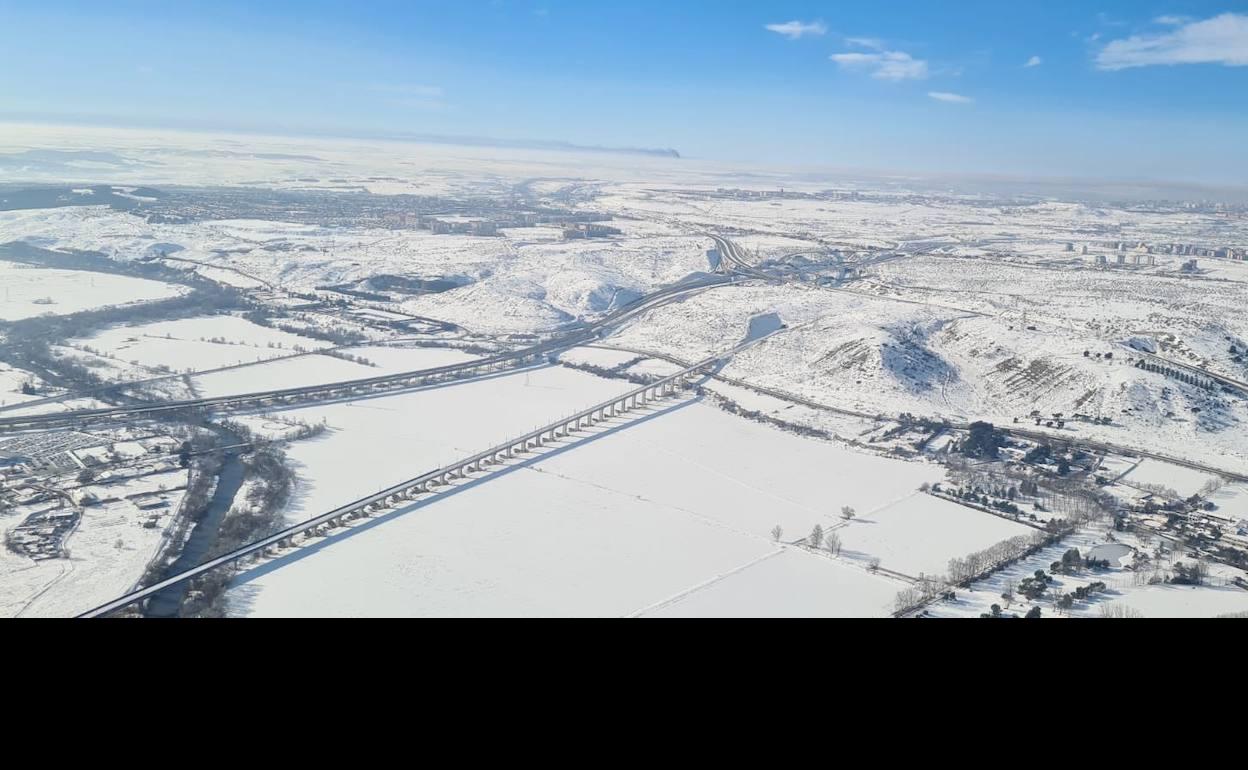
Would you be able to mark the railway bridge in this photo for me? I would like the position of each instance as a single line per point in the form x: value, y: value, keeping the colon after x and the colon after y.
x: 439, y: 480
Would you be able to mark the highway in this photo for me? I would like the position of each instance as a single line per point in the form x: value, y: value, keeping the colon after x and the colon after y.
x: 731, y: 254
x: 1039, y: 436
x: 425, y: 484
x: 482, y: 462
x: 374, y: 385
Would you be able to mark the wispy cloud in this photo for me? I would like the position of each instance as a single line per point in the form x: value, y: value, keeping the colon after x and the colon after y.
x: 945, y: 96
x: 1219, y: 40
x: 866, y: 42
x: 884, y: 65
x: 794, y: 30
x: 1034, y: 61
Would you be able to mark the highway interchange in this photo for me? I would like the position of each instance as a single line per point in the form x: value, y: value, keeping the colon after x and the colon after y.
x: 734, y: 269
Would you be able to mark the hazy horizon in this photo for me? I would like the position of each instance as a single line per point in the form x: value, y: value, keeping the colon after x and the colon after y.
x: 1117, y: 93
x: 774, y: 174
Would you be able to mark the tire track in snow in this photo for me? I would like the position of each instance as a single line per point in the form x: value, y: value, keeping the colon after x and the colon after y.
x: 671, y: 600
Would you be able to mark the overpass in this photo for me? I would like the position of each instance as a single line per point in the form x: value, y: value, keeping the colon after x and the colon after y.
x: 735, y: 260
x: 372, y: 386
x: 433, y: 482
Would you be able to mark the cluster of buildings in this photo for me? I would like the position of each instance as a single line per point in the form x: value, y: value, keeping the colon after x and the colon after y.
x: 1182, y: 250
x: 585, y: 230
x: 459, y: 226
x: 575, y: 224
x: 782, y: 194
x: 1123, y: 260
x: 1145, y: 255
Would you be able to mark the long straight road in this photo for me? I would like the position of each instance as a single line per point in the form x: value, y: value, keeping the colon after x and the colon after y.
x: 431, y: 482
x: 374, y: 385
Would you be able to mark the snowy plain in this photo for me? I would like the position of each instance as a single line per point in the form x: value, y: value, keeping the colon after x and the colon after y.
x: 27, y: 291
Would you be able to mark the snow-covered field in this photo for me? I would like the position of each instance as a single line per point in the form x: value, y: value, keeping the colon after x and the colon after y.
x: 27, y: 291
x: 919, y: 534
x: 321, y: 369
x: 955, y: 306
x: 195, y: 344
x: 11, y: 382
x: 790, y: 583
x: 634, y: 518
x: 1185, y: 481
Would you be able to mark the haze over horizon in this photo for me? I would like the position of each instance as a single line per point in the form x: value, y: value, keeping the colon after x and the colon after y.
x: 1060, y: 91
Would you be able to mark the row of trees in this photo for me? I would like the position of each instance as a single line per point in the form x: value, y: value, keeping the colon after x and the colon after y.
x: 997, y: 556
x: 819, y: 539
x: 1081, y: 593
x: 1181, y: 375
x: 975, y: 565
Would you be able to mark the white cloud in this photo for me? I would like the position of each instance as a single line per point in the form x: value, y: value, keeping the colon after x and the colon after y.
x: 885, y: 65
x: 866, y: 42
x: 1172, y: 21
x: 945, y: 96
x: 1034, y: 61
x: 1220, y: 40
x: 798, y: 29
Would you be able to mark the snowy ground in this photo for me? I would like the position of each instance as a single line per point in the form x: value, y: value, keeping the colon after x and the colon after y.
x: 1184, y: 481
x: 790, y: 583
x: 625, y: 523
x: 27, y: 291
x: 1124, y: 587
x: 195, y: 344
x: 11, y: 382
x: 108, y: 553
x: 912, y: 535
x: 985, y: 315
x: 375, y: 443
x: 321, y: 369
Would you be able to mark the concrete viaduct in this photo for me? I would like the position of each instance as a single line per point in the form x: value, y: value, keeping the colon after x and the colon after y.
x: 435, y: 481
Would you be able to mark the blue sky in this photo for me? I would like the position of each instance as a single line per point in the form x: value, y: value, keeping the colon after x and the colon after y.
x: 1118, y: 89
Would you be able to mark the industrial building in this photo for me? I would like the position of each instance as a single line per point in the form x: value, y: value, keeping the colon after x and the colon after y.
x: 588, y: 230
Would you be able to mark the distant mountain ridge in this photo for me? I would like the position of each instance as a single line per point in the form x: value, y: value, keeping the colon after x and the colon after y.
x: 522, y: 144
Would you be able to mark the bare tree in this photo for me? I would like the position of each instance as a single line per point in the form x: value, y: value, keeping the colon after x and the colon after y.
x: 777, y: 532
x: 1120, y: 611
x: 832, y: 543
x: 816, y: 536
x: 848, y: 513
x: 908, y: 599
x: 1200, y: 571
